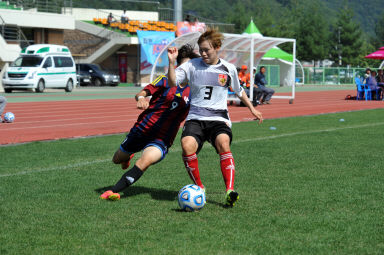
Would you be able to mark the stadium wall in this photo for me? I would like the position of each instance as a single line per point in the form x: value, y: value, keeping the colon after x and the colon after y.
x: 37, y: 19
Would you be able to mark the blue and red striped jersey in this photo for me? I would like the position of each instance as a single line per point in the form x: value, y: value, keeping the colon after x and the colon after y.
x: 168, y: 107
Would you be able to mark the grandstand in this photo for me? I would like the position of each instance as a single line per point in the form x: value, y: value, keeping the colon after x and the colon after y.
x: 85, y: 31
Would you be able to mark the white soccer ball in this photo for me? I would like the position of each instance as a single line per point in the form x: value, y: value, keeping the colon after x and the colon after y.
x: 9, y: 117
x: 191, y: 198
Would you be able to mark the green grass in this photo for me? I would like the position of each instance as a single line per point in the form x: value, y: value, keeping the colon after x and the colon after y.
x: 312, y: 186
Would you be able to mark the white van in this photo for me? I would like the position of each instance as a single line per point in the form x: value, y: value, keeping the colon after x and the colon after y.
x: 41, y: 66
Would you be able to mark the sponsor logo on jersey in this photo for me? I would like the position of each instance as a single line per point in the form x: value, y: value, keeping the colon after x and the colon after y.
x: 223, y: 78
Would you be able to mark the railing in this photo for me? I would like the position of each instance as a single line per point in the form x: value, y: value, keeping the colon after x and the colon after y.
x: 13, y: 33
x: 52, y: 6
x: 331, y: 75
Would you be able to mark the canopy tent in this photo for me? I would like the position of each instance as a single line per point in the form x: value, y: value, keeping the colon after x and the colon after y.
x: 275, y: 52
x: 236, y: 49
x: 377, y: 55
x: 277, y: 56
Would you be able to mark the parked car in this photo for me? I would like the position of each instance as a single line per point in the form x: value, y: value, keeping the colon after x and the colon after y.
x: 98, y: 76
x: 83, y: 78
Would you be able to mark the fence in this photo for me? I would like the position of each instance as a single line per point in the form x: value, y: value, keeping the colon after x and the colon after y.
x: 331, y: 75
x: 272, y: 75
x: 317, y: 75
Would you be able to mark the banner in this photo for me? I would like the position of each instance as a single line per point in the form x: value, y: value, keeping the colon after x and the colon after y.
x: 152, y: 42
x: 184, y: 27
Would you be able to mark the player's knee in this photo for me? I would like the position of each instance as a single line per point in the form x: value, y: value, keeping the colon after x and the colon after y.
x: 222, y: 143
x: 116, y: 159
x: 189, y: 145
x: 221, y: 148
x: 143, y: 163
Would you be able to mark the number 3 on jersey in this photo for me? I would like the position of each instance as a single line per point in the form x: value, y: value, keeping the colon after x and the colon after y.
x: 208, y: 92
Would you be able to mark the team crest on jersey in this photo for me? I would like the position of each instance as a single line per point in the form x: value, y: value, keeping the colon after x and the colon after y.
x: 223, y: 78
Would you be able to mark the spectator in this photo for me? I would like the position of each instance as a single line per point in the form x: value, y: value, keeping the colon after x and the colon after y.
x: 110, y: 18
x: 124, y: 17
x: 372, y: 84
x: 367, y: 75
x: 380, y: 81
x: 260, y: 81
x: 3, y: 103
x: 244, y: 79
x: 187, y: 18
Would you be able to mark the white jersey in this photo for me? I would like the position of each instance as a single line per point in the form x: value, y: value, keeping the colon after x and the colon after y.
x: 209, y: 88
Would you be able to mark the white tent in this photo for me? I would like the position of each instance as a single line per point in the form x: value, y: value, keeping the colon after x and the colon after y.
x: 238, y: 50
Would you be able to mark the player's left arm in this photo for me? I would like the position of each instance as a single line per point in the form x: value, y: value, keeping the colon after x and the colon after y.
x: 244, y: 98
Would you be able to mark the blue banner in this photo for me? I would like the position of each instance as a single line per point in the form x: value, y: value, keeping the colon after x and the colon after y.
x: 152, y: 42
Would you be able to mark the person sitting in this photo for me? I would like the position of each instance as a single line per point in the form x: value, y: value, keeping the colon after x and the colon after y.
x: 367, y: 75
x: 124, y: 17
x: 244, y: 79
x: 372, y: 85
x: 3, y: 103
x: 187, y: 18
x: 260, y: 81
x: 380, y: 81
x: 110, y: 19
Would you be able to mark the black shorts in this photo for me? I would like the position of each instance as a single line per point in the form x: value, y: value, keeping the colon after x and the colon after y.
x: 136, y: 141
x: 205, y: 130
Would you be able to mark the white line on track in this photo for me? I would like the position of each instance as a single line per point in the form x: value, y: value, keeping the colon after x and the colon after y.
x: 178, y: 149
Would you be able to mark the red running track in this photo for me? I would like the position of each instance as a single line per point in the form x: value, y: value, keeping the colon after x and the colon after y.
x: 36, y: 121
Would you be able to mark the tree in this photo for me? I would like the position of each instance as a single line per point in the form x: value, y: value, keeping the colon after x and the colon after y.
x: 379, y: 31
x: 311, y: 33
x: 347, y: 39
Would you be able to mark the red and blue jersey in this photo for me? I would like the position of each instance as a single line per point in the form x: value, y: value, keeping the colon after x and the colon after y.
x: 168, y: 107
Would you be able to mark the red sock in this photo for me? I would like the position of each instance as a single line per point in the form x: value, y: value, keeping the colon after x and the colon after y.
x: 227, y: 169
x: 192, y: 165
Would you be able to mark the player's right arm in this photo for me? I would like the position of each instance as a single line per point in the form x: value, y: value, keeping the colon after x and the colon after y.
x: 142, y: 103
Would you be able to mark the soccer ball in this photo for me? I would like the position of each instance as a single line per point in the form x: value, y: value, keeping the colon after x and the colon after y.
x: 191, y: 198
x: 9, y: 117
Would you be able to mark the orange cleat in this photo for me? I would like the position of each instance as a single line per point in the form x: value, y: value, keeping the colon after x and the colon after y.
x: 110, y: 195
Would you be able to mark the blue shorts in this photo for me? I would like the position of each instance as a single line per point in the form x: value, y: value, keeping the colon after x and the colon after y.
x: 135, y: 142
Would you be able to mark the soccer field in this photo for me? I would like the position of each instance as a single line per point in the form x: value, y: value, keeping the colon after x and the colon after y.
x: 312, y: 185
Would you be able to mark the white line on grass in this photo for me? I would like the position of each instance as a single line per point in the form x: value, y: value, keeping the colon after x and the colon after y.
x: 306, y: 132
x: 86, y: 163
x: 178, y: 149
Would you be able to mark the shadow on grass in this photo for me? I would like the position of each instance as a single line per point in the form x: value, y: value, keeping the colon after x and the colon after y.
x: 158, y: 194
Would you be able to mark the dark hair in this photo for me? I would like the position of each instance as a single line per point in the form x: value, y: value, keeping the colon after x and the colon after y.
x: 186, y: 51
x: 261, y: 67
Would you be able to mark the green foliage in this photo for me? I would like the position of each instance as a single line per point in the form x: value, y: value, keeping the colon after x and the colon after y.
x: 347, y: 39
x: 379, y: 31
x: 312, y: 34
x: 308, y: 187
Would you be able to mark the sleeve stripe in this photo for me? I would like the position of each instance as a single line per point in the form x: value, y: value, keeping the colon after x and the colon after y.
x: 158, y: 79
